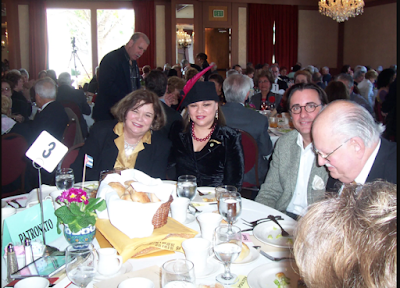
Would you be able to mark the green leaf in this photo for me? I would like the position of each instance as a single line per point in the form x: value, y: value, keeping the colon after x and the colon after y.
x: 92, y: 202
x: 96, y: 203
x: 100, y: 206
x: 65, y: 215
x: 84, y: 222
x: 75, y: 209
x: 74, y: 226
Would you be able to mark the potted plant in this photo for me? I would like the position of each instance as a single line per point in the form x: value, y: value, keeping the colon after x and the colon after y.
x: 78, y: 215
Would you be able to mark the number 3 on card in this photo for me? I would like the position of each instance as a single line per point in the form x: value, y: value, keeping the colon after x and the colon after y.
x: 46, y: 151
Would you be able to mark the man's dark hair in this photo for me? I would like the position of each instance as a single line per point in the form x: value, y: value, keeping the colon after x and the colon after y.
x: 156, y: 82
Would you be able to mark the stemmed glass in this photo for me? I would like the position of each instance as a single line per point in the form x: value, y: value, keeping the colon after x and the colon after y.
x: 230, y: 206
x: 178, y: 273
x: 65, y: 178
x: 227, y: 245
x: 81, y: 263
x: 222, y: 189
x: 186, y: 186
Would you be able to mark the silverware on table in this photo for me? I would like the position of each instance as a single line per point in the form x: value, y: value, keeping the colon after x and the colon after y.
x: 284, y: 233
x: 16, y: 202
x: 258, y: 221
x: 275, y: 258
x: 195, y: 209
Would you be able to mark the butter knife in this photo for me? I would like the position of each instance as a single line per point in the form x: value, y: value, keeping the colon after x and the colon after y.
x: 274, y: 258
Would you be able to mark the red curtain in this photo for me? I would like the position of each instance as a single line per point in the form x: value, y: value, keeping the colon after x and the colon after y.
x: 38, y: 45
x: 145, y: 23
x: 261, y: 19
x: 259, y: 33
x: 286, y: 34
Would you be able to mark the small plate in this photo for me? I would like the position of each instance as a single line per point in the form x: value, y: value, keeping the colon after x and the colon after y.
x: 210, y: 191
x: 264, y: 275
x: 92, y: 185
x: 126, y: 267
x: 212, y: 267
x: 268, y: 232
x: 253, y: 255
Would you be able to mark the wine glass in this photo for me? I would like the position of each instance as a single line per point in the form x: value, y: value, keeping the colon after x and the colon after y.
x: 186, y: 186
x: 65, y: 178
x: 178, y: 273
x: 222, y: 189
x: 81, y: 263
x: 230, y: 206
x: 227, y: 245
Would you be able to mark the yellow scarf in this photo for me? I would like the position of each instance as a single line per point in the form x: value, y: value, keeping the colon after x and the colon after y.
x: 123, y: 161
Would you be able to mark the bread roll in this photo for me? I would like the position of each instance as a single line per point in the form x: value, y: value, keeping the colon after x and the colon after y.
x: 140, y: 197
x: 128, y: 182
x: 126, y: 197
x: 118, y: 187
x: 243, y: 254
x: 154, y: 198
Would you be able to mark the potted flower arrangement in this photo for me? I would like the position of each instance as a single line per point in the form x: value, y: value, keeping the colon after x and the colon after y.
x: 78, y: 215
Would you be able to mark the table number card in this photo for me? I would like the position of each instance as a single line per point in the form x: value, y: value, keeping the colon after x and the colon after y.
x: 46, y: 151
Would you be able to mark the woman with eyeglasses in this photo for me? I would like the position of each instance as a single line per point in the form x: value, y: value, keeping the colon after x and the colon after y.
x: 294, y: 180
x: 265, y: 100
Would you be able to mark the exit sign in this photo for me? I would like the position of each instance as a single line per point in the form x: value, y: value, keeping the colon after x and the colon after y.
x: 218, y: 13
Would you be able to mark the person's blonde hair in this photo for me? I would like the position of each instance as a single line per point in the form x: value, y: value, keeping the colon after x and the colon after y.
x: 371, y: 74
x: 6, y: 105
x: 350, y: 240
x: 174, y: 82
x: 305, y: 73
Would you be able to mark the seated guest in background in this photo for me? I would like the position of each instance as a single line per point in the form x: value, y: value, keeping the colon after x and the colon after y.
x: 347, y: 141
x: 302, y: 76
x: 27, y: 84
x: 174, y: 88
x: 265, y: 98
x: 389, y: 108
x: 231, y: 72
x: 201, y: 59
x: 326, y: 76
x: 6, y: 121
x: 317, y: 79
x: 202, y: 145
x: 68, y: 94
x: 157, y: 82
x: 359, y: 76
x: 145, y: 71
x: 336, y: 90
x: 295, y: 68
x: 52, y: 74
x: 42, y: 74
x: 6, y: 90
x: 238, y: 68
x: 167, y: 67
x: 348, y: 81
x: 277, y: 80
x: 283, y: 74
x: 218, y: 81
x: 189, y: 73
x: 385, y: 78
x: 366, y: 87
x: 237, y: 88
x: 130, y: 141
x: 20, y: 103
x: 347, y: 69
x: 186, y: 65
x: 294, y: 179
x: 351, y: 240
x: 249, y: 72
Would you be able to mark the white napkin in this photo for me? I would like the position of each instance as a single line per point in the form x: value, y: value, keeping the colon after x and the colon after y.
x: 33, y: 199
x: 132, y: 218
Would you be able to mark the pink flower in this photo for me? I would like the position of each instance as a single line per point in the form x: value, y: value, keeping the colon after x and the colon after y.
x: 75, y: 195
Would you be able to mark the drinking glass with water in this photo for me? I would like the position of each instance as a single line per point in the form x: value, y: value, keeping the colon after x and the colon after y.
x: 64, y: 178
x: 187, y: 186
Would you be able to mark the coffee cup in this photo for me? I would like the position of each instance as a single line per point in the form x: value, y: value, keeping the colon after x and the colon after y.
x: 197, y: 250
x: 136, y: 282
x: 179, y: 208
x: 208, y: 222
x: 109, y: 261
x: 33, y: 282
x: 54, y: 196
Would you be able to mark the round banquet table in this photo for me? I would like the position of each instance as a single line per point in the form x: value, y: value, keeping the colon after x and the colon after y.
x: 251, y: 210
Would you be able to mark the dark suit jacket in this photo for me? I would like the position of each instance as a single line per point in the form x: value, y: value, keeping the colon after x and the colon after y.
x: 256, y: 99
x: 114, y: 83
x: 101, y: 146
x: 172, y: 116
x: 240, y: 117
x: 384, y: 167
x: 20, y: 105
x: 282, y: 84
x: 65, y: 94
x: 220, y: 162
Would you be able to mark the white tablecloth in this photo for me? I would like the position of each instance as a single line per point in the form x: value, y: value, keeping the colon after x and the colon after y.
x: 250, y: 211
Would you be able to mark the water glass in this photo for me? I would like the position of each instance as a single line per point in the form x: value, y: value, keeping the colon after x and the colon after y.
x: 227, y: 245
x: 187, y: 186
x: 65, y: 178
x: 81, y: 263
x: 230, y: 206
x: 224, y: 188
x: 178, y: 273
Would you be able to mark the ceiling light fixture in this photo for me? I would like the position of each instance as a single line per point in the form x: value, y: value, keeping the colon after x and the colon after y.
x: 341, y: 10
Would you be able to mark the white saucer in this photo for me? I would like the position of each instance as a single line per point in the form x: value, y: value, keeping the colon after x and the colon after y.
x: 126, y: 267
x: 189, y: 218
x: 212, y: 267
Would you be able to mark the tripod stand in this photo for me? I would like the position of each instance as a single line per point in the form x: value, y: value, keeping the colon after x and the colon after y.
x: 74, y: 54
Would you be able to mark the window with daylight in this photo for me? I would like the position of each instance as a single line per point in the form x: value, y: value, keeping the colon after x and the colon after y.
x: 273, y: 43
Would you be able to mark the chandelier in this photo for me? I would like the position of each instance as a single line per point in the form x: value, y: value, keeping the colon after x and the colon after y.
x: 184, y: 39
x: 341, y: 10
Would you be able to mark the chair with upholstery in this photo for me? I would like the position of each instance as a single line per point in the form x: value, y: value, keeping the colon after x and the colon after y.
x: 72, y: 133
x: 13, y: 164
x: 70, y: 157
x: 250, y: 151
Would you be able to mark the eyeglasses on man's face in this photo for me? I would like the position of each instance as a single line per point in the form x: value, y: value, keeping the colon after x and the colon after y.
x: 325, y: 156
x: 309, y: 107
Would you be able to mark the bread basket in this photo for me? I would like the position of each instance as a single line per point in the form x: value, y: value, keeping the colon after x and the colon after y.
x: 161, y: 216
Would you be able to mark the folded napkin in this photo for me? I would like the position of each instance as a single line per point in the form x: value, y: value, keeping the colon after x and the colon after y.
x: 134, y: 219
x: 169, y: 237
x: 33, y: 196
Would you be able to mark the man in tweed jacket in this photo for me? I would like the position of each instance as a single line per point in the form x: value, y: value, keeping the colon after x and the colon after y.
x: 294, y: 180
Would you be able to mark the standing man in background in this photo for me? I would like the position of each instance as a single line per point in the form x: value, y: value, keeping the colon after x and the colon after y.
x: 119, y: 75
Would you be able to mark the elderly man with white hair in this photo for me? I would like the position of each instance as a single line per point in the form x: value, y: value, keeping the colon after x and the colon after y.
x: 237, y: 89
x: 348, y: 142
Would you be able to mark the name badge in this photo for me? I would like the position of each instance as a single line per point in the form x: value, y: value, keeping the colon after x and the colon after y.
x: 46, y: 151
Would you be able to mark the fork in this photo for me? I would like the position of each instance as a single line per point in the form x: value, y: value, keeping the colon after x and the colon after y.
x: 284, y: 233
x: 197, y: 210
x: 275, y: 258
x: 255, y: 222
